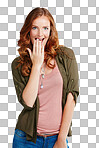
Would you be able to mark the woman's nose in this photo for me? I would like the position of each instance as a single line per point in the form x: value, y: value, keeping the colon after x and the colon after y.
x: 40, y: 33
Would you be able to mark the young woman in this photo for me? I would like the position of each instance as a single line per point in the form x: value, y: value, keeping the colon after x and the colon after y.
x: 45, y: 76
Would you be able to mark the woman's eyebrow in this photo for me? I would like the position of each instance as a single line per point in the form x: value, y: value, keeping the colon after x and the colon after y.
x: 38, y: 26
x: 46, y: 26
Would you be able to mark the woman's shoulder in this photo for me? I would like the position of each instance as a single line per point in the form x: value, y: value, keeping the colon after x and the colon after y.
x: 69, y: 52
x: 15, y: 61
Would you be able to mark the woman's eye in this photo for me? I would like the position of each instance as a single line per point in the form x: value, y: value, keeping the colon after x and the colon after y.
x: 34, y: 28
x: 45, y: 28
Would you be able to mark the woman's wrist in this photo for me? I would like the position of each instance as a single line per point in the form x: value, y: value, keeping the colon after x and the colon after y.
x: 36, y: 67
x: 61, y: 138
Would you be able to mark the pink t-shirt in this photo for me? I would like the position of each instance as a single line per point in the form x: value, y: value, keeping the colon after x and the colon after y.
x: 50, y: 98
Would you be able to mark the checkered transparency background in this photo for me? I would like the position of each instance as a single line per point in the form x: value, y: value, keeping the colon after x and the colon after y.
x: 77, y: 22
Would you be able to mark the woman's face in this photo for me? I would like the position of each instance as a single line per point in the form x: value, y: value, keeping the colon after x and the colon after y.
x: 40, y: 29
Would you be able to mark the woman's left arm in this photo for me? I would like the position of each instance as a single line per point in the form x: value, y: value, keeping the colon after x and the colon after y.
x: 67, y: 117
x: 66, y: 120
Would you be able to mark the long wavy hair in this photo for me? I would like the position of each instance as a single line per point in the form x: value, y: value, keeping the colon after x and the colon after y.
x: 24, y: 42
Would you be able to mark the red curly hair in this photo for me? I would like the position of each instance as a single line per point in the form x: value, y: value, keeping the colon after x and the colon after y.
x: 24, y: 42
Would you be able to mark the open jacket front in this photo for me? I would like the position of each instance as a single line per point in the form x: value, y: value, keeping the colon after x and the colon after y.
x: 28, y: 118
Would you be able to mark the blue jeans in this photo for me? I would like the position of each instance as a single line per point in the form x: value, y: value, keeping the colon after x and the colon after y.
x: 19, y: 141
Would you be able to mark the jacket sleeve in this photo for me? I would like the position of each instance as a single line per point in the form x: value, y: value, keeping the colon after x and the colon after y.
x: 73, y: 78
x: 19, y: 84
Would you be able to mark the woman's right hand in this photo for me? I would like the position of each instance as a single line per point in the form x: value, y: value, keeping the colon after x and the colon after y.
x: 37, y: 56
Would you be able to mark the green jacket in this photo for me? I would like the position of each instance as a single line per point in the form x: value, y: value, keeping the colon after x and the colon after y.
x: 27, y: 120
